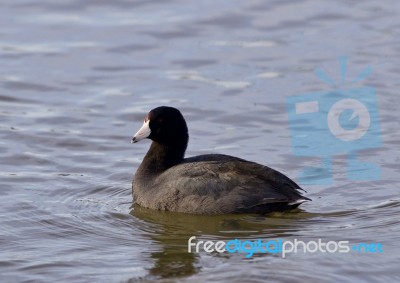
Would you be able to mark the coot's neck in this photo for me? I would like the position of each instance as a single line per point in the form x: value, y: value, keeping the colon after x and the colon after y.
x: 160, y: 157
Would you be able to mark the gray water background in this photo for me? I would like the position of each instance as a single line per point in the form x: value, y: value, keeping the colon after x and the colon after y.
x: 78, y: 77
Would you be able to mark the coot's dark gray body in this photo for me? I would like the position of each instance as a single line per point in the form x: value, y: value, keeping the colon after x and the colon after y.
x: 205, y: 184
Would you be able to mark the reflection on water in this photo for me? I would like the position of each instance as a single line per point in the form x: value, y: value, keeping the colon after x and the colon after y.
x: 173, y: 231
x: 78, y: 77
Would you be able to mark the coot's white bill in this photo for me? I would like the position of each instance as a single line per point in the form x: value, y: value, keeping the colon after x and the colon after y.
x: 143, y: 132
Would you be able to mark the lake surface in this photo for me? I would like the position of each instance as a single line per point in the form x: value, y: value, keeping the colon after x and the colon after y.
x: 77, y: 79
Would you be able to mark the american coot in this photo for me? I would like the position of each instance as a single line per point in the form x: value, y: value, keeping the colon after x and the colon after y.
x: 204, y: 184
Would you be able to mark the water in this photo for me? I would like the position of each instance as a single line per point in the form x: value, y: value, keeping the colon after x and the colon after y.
x: 77, y: 78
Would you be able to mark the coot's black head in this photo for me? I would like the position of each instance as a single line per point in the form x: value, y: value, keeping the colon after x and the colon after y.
x: 164, y: 125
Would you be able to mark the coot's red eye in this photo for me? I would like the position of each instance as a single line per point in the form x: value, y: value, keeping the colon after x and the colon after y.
x: 159, y: 120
